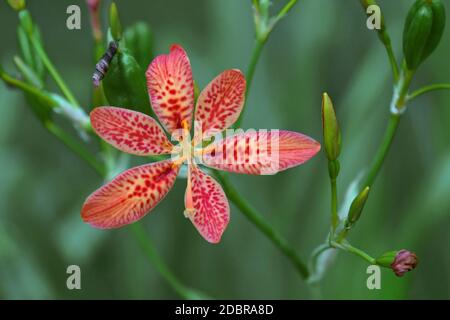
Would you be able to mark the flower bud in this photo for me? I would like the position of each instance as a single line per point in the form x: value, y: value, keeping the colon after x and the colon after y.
x: 17, y: 5
x: 139, y: 42
x: 399, y: 261
x: 423, y: 31
x: 331, y: 132
x: 114, y: 22
x: 125, y: 84
x: 93, y: 5
x: 94, y: 12
x: 357, y: 207
x: 26, y: 22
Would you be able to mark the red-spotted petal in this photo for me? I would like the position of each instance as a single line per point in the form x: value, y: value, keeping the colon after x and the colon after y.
x: 260, y: 152
x: 220, y: 103
x: 206, y: 205
x: 130, y: 131
x: 130, y: 195
x: 171, y: 88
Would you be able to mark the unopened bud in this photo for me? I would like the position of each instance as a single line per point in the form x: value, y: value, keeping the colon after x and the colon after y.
x: 357, y: 207
x: 26, y: 22
x: 114, y: 22
x: 423, y: 31
x: 331, y: 132
x: 93, y: 4
x: 399, y: 261
x: 17, y: 5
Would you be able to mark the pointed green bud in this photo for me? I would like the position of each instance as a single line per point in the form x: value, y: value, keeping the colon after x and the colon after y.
x: 26, y: 22
x: 125, y: 84
x: 28, y: 74
x: 331, y: 131
x: 357, y: 207
x: 139, y: 42
x: 423, y: 31
x: 114, y: 22
x: 17, y: 5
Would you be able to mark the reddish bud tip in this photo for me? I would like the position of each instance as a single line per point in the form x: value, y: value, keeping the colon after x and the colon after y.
x: 404, y: 261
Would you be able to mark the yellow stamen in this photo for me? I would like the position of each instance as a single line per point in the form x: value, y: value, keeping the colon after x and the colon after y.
x: 178, y: 162
x: 185, y: 124
x: 189, y: 212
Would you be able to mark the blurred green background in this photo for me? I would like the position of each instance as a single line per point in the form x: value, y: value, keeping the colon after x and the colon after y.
x: 322, y: 45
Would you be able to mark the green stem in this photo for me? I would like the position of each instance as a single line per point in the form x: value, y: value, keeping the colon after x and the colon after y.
x: 334, y: 213
x: 383, y: 149
x: 249, y: 75
x: 27, y: 88
x: 312, y: 263
x: 76, y: 147
x: 256, y: 218
x: 398, y: 106
x: 285, y: 9
x: 385, y: 40
x: 349, y: 248
x: 52, y: 70
x: 391, y: 56
x: 426, y: 89
x: 342, y: 235
x: 262, y: 35
x: 147, y: 246
x: 253, y: 62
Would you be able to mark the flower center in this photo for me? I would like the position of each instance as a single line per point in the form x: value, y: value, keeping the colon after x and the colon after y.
x: 185, y: 143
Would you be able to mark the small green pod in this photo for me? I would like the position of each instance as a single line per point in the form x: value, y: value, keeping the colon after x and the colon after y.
x: 139, y: 42
x: 17, y: 5
x: 125, y: 84
x: 423, y: 31
x: 357, y: 207
x: 331, y: 131
x: 114, y: 22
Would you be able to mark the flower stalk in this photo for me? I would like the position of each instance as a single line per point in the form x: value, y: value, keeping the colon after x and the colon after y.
x: 433, y: 87
x: 398, y: 107
x: 257, y: 219
x: 264, y: 25
x: 385, y: 39
x: 332, y: 143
